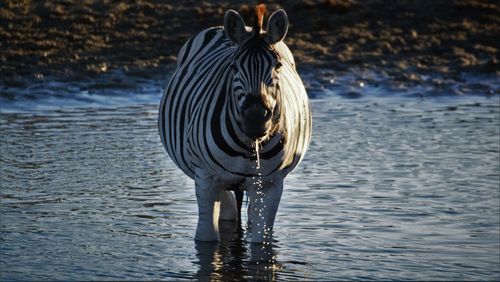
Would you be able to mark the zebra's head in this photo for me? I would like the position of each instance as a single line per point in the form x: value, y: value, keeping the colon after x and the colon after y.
x: 256, y: 70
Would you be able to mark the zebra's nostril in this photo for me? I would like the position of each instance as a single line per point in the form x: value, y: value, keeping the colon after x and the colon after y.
x: 268, y: 114
x: 258, y: 113
x: 265, y: 113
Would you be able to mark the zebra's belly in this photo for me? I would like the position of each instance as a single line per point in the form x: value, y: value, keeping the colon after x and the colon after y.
x: 231, y: 168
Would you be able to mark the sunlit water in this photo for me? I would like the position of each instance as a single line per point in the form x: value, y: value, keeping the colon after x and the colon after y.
x: 394, y: 186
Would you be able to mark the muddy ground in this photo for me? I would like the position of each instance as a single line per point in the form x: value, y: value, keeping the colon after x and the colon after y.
x: 406, y: 38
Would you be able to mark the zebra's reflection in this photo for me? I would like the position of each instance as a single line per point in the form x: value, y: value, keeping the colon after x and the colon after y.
x: 234, y: 259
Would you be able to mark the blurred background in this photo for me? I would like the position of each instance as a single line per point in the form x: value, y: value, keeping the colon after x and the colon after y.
x: 406, y: 37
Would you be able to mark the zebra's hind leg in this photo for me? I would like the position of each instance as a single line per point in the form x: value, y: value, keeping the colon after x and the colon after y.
x: 228, y: 206
x: 237, y: 188
x: 239, y: 202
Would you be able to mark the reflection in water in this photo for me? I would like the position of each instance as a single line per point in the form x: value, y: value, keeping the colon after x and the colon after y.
x: 234, y: 259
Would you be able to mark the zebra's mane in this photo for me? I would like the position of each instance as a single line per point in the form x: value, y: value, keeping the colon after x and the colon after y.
x: 260, y: 10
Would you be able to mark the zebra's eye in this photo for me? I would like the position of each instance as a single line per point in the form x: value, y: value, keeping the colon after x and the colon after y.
x: 234, y: 68
x: 278, y: 66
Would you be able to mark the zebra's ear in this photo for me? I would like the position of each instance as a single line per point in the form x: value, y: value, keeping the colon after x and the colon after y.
x: 234, y: 26
x: 277, y: 26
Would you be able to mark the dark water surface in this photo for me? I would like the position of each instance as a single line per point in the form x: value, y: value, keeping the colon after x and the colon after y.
x: 397, y: 184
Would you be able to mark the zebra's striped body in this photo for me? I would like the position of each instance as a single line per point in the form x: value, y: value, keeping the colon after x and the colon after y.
x: 201, y: 128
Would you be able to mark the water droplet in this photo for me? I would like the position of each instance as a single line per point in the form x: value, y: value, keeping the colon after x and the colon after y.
x: 103, y: 67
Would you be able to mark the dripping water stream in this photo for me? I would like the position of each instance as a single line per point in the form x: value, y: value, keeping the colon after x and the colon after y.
x: 259, y: 199
x: 257, y: 154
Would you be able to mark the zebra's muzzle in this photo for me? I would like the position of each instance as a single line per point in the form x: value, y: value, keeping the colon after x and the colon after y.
x: 256, y: 119
x: 254, y: 131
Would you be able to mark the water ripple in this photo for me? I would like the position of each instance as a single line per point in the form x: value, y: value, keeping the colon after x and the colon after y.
x: 398, y: 188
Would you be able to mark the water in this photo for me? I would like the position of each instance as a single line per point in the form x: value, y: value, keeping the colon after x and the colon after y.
x: 398, y: 184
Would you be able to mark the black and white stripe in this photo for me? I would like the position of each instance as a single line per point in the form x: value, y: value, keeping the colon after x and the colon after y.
x: 201, y: 116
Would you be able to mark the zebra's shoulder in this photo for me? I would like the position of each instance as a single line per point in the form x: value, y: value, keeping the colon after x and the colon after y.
x: 208, y: 39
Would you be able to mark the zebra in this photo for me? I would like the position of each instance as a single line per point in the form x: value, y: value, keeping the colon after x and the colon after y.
x: 235, y: 117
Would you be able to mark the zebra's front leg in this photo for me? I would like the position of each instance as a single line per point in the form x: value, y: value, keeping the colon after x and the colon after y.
x: 263, y: 201
x: 208, y: 208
